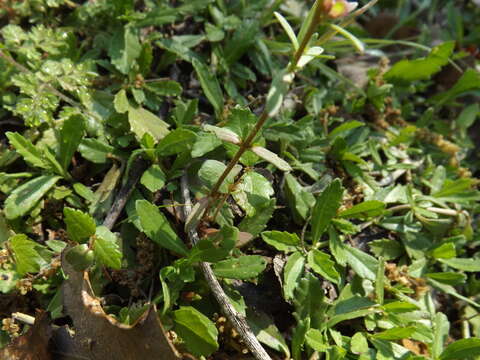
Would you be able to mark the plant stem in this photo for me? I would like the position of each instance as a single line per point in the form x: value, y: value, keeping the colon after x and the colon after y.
x: 264, y: 116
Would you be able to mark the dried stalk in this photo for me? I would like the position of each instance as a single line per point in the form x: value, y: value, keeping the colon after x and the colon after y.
x: 238, y: 320
x: 136, y: 171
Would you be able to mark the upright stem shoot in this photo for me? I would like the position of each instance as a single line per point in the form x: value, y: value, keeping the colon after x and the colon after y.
x: 246, y: 144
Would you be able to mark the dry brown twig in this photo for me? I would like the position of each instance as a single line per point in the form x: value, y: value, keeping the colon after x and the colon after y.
x: 238, y: 320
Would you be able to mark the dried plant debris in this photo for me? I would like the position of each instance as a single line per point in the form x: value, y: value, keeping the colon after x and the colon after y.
x: 98, y: 335
x: 34, y: 344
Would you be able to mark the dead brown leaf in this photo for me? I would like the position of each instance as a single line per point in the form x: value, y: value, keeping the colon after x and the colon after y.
x: 99, y: 336
x: 417, y: 347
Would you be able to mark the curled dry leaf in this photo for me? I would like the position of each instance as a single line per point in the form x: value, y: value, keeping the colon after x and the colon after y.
x: 99, y: 336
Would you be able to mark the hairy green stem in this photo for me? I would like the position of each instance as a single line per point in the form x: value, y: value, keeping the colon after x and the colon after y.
x: 318, y: 17
x: 264, y: 117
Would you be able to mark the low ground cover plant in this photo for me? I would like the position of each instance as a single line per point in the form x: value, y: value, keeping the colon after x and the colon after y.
x: 239, y: 179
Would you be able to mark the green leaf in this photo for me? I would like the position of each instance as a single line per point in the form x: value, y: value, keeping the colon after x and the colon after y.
x: 292, y: 273
x: 399, y: 307
x: 468, y: 116
x: 462, y: 349
x: 185, y: 111
x: 71, y: 135
x: 387, y: 248
x: 80, y: 257
x: 422, y: 68
x: 298, y: 337
x: 120, y: 102
x: 205, y: 143
x: 27, y: 254
x: 157, y: 228
x: 223, y: 134
x: 138, y: 95
x: 280, y: 85
x: 380, y: 281
x: 334, y: 320
x: 322, y: 264
x: 365, y: 209
x: 470, y: 80
x: 471, y: 265
x: 326, y: 208
x: 106, y: 248
x: 316, y: 340
x: 349, y: 125
x: 441, y: 328
x: 444, y: 251
x: 56, y: 245
x: 241, y: 121
x: 196, y: 330
x: 272, y: 158
x: 356, y: 42
x: 299, y: 200
x: 358, y: 343
x: 252, y: 191
x: 25, y: 197
x: 281, y: 240
x: 214, y: 33
x: 143, y: 121
x: 215, y: 248
x: 288, y: 29
x: 24, y: 147
x: 266, y: 332
x: 309, y: 300
x: 124, y: 49
x: 210, y: 172
x: 256, y: 223
x: 153, y: 178
x: 406, y: 136
x: 337, y: 248
x: 243, y: 268
x: 363, y: 264
x: 53, y: 163
x: 348, y: 303
x: 209, y: 84
x: 390, y: 350
x: 80, y: 226
x: 450, y: 290
x: 350, y: 306
x: 242, y: 41
x: 95, y: 150
x: 393, y: 334
x: 310, y: 54
x: 84, y: 191
x: 455, y: 187
x: 177, y: 141
x: 164, y: 87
